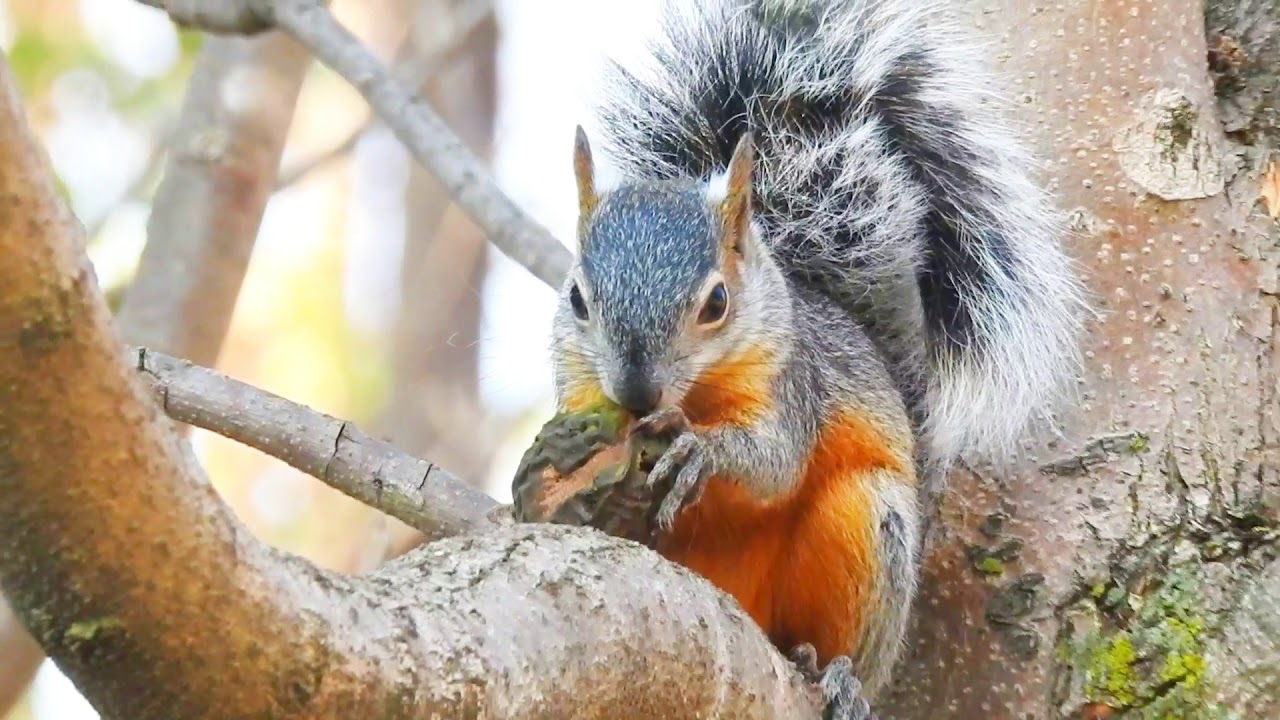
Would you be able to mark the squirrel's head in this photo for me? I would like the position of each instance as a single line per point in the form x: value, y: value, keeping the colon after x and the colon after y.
x: 671, y: 279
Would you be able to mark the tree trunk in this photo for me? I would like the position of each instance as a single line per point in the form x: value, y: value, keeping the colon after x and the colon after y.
x: 220, y: 175
x: 436, y: 405
x: 1130, y: 567
x: 435, y: 409
x: 204, y: 221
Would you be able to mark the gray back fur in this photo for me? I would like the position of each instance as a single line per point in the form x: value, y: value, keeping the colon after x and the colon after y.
x: 884, y: 180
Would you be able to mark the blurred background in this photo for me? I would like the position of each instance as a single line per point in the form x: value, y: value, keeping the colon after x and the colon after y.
x: 368, y: 295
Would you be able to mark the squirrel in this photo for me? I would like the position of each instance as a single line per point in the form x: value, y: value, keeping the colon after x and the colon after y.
x: 827, y: 263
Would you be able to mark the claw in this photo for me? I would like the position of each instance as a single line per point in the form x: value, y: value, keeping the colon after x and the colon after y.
x: 840, y: 689
x: 686, y: 468
x: 683, y: 468
x: 805, y: 658
x: 843, y: 692
x: 668, y: 466
x: 686, y: 490
x: 667, y: 420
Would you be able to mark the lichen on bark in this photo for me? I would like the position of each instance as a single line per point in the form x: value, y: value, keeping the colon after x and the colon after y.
x: 1143, y: 653
x: 1142, y: 640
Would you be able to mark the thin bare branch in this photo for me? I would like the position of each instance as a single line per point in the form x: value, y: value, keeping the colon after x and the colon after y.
x: 244, y: 17
x: 414, y: 491
x: 414, y: 66
x: 428, y: 138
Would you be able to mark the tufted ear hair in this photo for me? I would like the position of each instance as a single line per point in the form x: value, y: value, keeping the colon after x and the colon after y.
x: 584, y: 171
x: 735, y: 208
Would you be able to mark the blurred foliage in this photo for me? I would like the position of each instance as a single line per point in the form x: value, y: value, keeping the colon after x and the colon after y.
x: 290, y: 333
x: 50, y: 40
x: 39, y: 55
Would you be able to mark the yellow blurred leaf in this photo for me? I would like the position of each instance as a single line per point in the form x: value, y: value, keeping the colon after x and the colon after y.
x: 1271, y: 189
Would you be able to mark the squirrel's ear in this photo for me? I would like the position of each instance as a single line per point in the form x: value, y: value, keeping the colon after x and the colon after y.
x: 584, y: 171
x: 735, y: 209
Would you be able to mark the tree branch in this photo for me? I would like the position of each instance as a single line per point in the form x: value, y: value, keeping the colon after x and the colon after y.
x: 244, y: 17
x: 413, y: 491
x: 412, y: 70
x: 417, y: 125
x: 428, y: 138
x: 219, y: 172
x: 528, y: 621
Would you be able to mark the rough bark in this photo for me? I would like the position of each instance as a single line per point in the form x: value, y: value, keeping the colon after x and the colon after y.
x: 123, y: 605
x: 1244, y: 59
x: 1130, y: 567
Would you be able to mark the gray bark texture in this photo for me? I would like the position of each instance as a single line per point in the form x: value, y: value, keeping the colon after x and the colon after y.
x: 1130, y: 569
x: 419, y: 493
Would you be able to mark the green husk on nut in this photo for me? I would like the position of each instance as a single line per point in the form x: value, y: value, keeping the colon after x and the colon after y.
x: 589, y: 468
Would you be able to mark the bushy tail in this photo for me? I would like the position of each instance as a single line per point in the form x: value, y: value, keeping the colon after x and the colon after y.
x: 885, y: 179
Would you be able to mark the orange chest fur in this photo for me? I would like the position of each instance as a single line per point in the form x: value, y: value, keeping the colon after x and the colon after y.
x: 804, y: 564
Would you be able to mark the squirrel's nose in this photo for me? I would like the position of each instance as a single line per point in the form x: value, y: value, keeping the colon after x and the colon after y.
x: 639, y: 395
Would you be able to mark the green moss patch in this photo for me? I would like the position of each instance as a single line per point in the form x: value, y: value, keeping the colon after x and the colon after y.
x: 1145, y: 655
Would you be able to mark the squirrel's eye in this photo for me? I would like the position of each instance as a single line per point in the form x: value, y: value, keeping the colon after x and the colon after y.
x: 579, y: 305
x: 715, y: 306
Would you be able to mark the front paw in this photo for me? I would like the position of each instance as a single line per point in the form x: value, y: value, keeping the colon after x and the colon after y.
x: 668, y: 422
x: 841, y: 691
x: 684, y: 467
